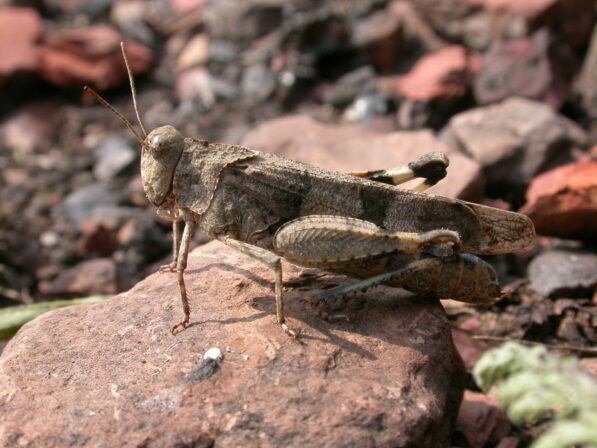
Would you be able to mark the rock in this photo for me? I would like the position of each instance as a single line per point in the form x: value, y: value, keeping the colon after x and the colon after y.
x: 186, y: 6
x: 571, y: 20
x: 382, y: 32
x: 418, y: 33
x: 457, y: 20
x: 470, y: 349
x: 443, y: 76
x: 563, y: 202
x: 112, y: 374
x: 564, y: 272
x: 33, y: 128
x: 365, y: 107
x: 258, y: 82
x: 113, y: 155
x: 590, y: 366
x: 90, y: 56
x: 195, y: 83
x: 195, y: 52
x: 342, y: 148
x: 513, y: 141
x: 475, y: 30
x: 143, y: 241
x: 481, y: 421
x: 586, y: 85
x: 242, y: 21
x: 20, y: 28
x: 521, y: 67
x: 132, y: 18
x: 90, y: 9
x: 528, y: 9
x: 99, y: 276
x: 354, y: 83
x: 79, y: 205
x: 96, y: 239
x: 95, y: 202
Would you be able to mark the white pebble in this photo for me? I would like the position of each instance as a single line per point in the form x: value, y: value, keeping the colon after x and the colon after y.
x: 213, y: 353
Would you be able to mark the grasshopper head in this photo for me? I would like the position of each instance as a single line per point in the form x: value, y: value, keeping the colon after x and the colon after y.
x: 161, y: 149
x: 160, y: 154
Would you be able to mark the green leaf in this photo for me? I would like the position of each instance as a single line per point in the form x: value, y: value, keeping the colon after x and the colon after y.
x: 13, y: 317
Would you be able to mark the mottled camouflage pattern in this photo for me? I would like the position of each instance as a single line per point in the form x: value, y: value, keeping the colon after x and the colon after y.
x: 254, y: 197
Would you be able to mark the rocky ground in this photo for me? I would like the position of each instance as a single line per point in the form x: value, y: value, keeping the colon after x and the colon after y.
x: 507, y: 89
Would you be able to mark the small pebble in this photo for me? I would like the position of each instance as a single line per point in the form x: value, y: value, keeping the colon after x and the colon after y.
x: 213, y: 353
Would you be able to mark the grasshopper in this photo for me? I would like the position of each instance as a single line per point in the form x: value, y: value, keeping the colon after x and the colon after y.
x: 359, y: 224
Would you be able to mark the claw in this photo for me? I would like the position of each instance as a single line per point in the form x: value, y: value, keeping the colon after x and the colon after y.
x: 184, y: 324
x: 167, y: 268
x: 290, y: 332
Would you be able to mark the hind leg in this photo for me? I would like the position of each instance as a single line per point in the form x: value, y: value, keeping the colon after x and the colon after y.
x: 432, y: 167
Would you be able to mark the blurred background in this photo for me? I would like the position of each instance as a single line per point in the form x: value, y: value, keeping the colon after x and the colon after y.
x: 506, y: 88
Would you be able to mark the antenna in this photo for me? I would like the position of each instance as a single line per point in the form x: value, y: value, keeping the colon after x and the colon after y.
x: 133, y: 89
x: 108, y: 106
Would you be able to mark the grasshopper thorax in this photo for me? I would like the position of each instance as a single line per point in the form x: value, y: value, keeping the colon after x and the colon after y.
x: 160, y: 154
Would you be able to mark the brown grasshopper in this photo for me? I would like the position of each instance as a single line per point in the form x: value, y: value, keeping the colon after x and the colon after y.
x: 356, y: 224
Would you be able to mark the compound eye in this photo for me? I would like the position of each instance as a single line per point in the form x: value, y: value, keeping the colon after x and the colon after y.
x: 158, y: 146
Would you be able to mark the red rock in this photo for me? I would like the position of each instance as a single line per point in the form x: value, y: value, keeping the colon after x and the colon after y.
x: 587, y: 87
x: 416, y: 29
x: 382, y: 32
x: 470, y: 349
x: 195, y: 83
x: 196, y: 52
x: 99, y: 276
x: 352, y: 148
x: 96, y: 239
x: 90, y: 56
x: 457, y: 21
x: 127, y: 232
x: 508, y: 442
x: 526, y: 8
x: 15, y: 176
x: 571, y: 20
x: 441, y: 76
x: 20, y: 29
x: 590, y: 366
x: 563, y: 202
x: 481, y: 421
x: 186, y: 6
x: 111, y: 374
x: 514, y: 140
x: 522, y: 67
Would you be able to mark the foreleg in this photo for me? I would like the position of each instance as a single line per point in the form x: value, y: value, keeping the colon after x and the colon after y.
x: 181, y: 265
x: 175, y: 219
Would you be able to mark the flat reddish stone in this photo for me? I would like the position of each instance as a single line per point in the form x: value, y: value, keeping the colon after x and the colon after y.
x: 90, y: 56
x: 99, y: 276
x: 563, y: 202
x: 111, y: 374
x: 481, y: 421
x: 354, y: 148
x: 527, y: 8
x: 446, y: 74
x: 20, y: 29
